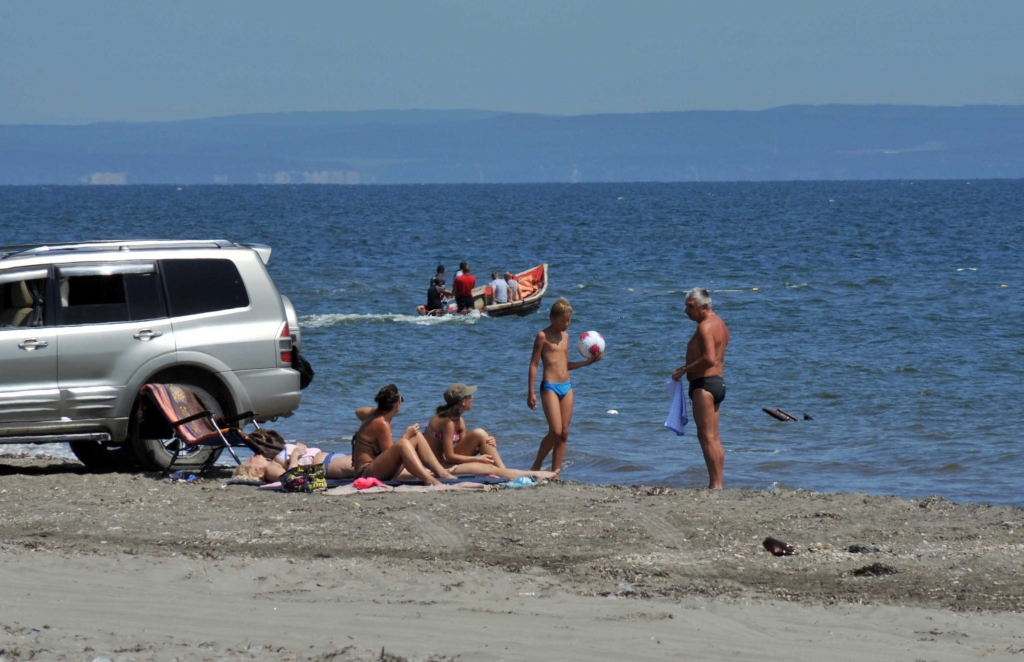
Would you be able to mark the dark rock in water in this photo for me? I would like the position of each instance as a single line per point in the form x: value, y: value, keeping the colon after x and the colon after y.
x: 807, y: 417
x: 874, y: 570
x: 777, y: 547
x: 863, y: 549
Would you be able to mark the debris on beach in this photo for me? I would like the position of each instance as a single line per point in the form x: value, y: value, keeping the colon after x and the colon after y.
x: 639, y: 490
x: 874, y: 570
x: 778, y: 548
x: 863, y: 549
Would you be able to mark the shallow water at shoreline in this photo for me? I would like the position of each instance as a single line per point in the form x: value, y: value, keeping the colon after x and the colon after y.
x: 879, y: 310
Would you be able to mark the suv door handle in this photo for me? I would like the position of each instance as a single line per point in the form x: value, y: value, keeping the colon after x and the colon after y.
x: 32, y: 344
x: 147, y: 334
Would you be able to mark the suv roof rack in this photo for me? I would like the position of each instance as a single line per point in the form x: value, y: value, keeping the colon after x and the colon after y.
x: 126, y: 245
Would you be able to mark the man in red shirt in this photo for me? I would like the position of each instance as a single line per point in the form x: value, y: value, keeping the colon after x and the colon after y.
x: 462, y: 288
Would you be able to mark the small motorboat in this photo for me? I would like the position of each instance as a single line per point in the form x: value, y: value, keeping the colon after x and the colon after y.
x: 533, y: 283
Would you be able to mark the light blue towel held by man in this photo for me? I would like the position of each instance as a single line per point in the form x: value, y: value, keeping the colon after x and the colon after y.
x: 677, y: 419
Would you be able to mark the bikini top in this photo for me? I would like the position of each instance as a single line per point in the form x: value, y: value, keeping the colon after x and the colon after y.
x: 358, y: 443
x: 305, y: 459
x: 371, y: 447
x: 440, y: 437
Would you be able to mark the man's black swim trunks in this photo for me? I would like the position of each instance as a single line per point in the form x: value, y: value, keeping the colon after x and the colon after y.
x: 714, y: 385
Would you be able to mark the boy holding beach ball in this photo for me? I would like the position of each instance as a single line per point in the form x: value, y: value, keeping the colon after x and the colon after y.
x: 552, y: 346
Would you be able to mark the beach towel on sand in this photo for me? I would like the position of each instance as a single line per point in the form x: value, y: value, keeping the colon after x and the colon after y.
x: 676, y: 420
x: 347, y: 482
x: 349, y: 490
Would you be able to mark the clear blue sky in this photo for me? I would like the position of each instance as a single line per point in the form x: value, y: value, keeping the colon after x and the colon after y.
x: 80, y: 61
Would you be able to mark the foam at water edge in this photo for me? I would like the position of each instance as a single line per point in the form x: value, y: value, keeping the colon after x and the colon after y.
x: 334, y: 319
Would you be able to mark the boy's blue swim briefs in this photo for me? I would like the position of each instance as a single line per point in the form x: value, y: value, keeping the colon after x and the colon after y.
x: 561, y: 389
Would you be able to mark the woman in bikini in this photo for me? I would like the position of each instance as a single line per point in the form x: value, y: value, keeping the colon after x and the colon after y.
x: 447, y: 436
x: 375, y: 455
x: 474, y: 452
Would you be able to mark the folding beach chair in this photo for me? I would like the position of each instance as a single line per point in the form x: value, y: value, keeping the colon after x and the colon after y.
x: 194, y: 425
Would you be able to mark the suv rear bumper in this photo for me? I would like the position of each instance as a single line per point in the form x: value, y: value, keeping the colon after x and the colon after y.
x: 272, y: 391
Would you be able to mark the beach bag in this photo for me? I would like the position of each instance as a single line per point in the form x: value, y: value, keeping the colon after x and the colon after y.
x: 307, y: 478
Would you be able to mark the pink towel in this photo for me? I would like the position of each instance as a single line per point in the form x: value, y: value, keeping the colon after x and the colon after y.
x: 366, y: 482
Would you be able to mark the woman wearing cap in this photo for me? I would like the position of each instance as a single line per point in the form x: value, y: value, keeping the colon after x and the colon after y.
x: 446, y: 431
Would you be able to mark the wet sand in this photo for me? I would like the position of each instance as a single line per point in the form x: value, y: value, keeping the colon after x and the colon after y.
x: 134, y: 567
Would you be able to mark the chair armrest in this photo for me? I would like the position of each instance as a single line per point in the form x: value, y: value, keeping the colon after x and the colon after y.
x: 234, y: 419
x: 194, y: 417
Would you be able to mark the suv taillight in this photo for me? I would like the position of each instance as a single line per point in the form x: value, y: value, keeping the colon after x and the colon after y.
x: 285, y: 344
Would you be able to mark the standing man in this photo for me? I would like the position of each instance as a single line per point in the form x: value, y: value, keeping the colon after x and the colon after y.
x: 499, y: 288
x: 462, y: 288
x: 704, y: 369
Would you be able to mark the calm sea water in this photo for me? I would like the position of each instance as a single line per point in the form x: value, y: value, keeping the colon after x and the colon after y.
x: 891, y: 312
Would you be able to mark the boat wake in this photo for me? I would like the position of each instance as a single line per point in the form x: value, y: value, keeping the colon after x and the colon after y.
x: 339, y: 319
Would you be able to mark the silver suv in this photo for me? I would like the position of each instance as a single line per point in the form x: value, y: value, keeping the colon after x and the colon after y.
x: 84, y: 326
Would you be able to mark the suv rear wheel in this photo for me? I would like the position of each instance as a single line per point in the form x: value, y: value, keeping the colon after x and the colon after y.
x: 151, y: 436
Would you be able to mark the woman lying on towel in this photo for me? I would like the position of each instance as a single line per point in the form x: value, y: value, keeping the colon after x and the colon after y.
x: 270, y: 470
x: 375, y: 455
x: 474, y: 453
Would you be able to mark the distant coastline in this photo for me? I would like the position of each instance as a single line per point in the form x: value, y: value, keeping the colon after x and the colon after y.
x: 832, y: 142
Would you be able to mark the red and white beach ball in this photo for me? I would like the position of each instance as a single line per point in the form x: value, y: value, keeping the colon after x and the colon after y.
x: 591, y: 344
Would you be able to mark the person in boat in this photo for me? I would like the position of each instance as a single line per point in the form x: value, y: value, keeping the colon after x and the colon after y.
x: 376, y: 455
x: 435, y: 297
x: 499, y: 288
x: 270, y: 469
x: 513, y: 286
x: 462, y: 288
x: 439, y: 275
x: 468, y: 452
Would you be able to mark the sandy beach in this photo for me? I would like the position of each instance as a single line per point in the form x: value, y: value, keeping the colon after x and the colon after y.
x: 135, y: 567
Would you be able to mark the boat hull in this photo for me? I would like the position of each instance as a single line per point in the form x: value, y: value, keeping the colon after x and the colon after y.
x: 538, y: 277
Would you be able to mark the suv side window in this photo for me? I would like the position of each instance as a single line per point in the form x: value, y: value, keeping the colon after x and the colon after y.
x: 23, y: 298
x: 105, y: 293
x: 203, y: 286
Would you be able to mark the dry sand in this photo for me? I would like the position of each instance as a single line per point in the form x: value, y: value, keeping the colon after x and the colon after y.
x: 134, y: 567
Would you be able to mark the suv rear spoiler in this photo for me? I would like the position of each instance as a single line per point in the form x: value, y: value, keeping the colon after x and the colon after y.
x: 262, y: 249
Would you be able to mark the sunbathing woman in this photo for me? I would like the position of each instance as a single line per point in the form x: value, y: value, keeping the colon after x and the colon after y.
x: 482, y: 465
x: 375, y: 455
x: 270, y: 470
x: 474, y: 452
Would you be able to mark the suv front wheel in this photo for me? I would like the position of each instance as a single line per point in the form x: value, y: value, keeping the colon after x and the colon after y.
x: 152, y: 437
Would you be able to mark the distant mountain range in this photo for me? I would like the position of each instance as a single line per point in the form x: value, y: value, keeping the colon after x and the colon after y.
x: 416, y: 146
